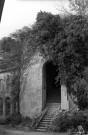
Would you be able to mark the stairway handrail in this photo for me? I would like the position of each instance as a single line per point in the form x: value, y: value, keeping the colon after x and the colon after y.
x: 41, y: 116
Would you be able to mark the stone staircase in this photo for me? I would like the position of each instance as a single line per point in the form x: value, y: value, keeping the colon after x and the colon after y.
x: 48, y: 116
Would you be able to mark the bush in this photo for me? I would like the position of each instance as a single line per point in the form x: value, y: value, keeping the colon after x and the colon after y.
x: 80, y: 91
x: 26, y: 121
x: 82, y: 97
x: 3, y: 132
x: 14, y: 119
x: 65, y: 121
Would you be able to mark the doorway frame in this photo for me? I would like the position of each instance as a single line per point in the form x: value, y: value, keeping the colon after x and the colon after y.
x: 44, y: 96
x: 44, y: 84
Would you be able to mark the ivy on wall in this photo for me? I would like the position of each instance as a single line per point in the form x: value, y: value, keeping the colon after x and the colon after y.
x: 64, y: 40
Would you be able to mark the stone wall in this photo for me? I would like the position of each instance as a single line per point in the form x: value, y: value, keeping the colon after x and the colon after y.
x: 33, y: 94
x: 6, y: 90
x: 31, y: 87
x: 72, y: 106
x: 5, y: 87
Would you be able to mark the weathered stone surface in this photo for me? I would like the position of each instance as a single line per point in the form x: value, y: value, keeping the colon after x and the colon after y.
x: 5, y: 87
x: 71, y: 103
x: 31, y: 88
x: 64, y: 100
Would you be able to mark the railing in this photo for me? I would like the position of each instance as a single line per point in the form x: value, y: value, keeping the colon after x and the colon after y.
x: 41, y: 115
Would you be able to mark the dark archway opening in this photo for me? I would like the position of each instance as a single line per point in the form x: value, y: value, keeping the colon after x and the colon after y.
x: 53, y: 91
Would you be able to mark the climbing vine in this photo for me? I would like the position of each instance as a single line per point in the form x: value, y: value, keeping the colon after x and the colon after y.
x: 64, y: 40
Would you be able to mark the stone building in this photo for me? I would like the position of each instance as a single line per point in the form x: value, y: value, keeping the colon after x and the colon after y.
x: 7, y: 106
x: 38, y: 87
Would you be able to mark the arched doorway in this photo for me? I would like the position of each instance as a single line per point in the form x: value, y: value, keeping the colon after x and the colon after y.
x: 51, y: 91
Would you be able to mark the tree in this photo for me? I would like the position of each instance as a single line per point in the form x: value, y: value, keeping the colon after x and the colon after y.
x: 46, y: 27
x: 79, y: 6
x: 21, y: 34
x: 65, y: 41
x: 10, y: 53
x: 16, y: 49
x: 27, y: 39
x: 66, y: 46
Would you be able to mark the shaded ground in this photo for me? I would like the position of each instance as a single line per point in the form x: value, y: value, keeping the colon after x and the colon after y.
x: 14, y: 132
x: 9, y: 131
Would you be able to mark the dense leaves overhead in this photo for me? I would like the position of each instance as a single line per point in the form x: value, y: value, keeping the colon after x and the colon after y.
x: 80, y: 7
x: 65, y: 41
x: 46, y: 28
x: 67, y: 46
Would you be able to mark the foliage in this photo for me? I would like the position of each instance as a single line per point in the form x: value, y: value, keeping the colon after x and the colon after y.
x: 47, y: 25
x: 27, y: 39
x: 17, y: 120
x: 21, y: 34
x: 82, y: 96
x: 66, y: 46
x: 79, y: 6
x: 14, y: 119
x: 3, y: 132
x: 15, y: 86
x: 10, y: 53
x: 79, y: 93
x: 9, y: 45
x: 17, y: 49
x: 65, y: 121
x: 62, y: 40
x: 15, y: 83
x: 26, y: 121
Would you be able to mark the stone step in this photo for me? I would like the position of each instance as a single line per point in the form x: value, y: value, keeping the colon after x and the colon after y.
x: 54, y: 107
x: 43, y: 126
x: 52, y: 104
x: 47, y: 116
x: 51, y: 111
x: 45, y: 122
x: 48, y: 119
x: 41, y: 130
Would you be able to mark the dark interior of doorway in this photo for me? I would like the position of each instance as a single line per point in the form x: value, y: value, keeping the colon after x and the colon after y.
x: 53, y: 92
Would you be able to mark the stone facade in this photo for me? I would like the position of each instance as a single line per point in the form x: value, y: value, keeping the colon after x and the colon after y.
x: 31, y: 88
x: 6, y: 104
x: 33, y: 91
